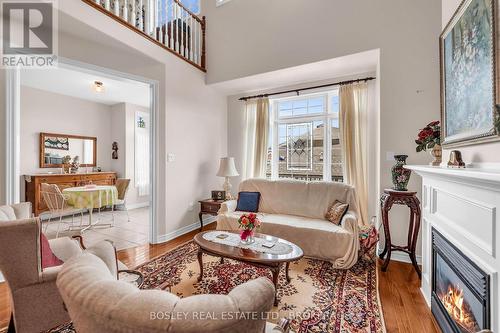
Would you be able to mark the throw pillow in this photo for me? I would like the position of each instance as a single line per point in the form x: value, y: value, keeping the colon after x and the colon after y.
x: 248, y: 202
x: 49, y: 259
x: 336, y: 212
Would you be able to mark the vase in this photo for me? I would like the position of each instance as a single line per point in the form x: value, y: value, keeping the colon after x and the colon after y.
x: 246, y: 237
x: 437, y: 153
x: 400, y: 175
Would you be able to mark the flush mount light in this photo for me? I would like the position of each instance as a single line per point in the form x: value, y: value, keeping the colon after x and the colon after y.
x: 98, y: 86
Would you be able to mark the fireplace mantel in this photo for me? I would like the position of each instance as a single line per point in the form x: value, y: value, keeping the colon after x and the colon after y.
x: 463, y: 205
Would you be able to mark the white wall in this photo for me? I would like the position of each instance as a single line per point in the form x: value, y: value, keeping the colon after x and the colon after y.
x: 483, y: 153
x: 192, y: 121
x: 251, y: 37
x: 44, y: 111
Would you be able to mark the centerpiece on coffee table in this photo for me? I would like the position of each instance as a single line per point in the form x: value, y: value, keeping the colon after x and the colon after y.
x: 248, y: 223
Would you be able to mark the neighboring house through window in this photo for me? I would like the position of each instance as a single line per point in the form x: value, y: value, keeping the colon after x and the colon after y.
x: 304, y: 136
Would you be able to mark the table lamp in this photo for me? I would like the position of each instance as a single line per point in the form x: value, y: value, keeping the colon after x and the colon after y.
x: 227, y: 169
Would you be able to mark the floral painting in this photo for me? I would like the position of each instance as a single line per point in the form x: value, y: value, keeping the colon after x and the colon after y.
x: 468, y: 62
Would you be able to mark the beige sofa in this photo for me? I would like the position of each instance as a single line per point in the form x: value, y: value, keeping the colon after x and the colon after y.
x: 295, y: 210
x: 97, y: 302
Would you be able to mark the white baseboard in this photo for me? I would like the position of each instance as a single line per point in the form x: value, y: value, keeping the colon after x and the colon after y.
x: 137, y: 205
x: 185, y: 230
x: 403, y: 257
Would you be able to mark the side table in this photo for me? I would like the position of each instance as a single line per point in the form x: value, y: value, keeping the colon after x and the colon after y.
x: 208, y: 207
x: 387, y: 200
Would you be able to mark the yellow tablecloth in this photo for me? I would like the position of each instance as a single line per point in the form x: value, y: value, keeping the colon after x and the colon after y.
x: 91, y: 197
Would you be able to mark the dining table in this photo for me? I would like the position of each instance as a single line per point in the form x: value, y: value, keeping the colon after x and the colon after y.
x: 90, y: 197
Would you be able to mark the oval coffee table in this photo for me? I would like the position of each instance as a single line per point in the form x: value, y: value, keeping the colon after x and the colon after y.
x: 255, y: 258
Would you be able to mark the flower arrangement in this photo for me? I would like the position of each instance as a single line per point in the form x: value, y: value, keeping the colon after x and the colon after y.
x: 429, y: 136
x: 248, y: 222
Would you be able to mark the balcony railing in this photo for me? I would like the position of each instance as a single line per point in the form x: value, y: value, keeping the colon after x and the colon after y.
x: 167, y: 23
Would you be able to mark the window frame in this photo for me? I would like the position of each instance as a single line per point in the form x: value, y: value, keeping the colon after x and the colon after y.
x: 327, y: 116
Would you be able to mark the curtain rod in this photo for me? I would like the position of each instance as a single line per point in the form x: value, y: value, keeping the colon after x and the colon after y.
x: 308, y: 88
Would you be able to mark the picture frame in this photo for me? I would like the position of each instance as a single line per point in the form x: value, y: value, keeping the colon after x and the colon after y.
x: 218, y: 195
x: 468, y: 75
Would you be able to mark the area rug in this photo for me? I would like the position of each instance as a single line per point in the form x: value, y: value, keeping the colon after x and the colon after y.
x: 319, y: 298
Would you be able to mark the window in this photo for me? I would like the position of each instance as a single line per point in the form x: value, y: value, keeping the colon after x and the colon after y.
x: 305, y: 136
x: 166, y: 12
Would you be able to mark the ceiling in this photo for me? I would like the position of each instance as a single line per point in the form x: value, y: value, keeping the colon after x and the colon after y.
x: 364, y: 62
x: 73, y: 82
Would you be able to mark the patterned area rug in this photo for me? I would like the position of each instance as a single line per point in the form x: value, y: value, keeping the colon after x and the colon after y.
x: 318, y: 298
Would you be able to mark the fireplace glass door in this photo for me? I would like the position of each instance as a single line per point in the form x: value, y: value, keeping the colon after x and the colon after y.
x: 460, y: 297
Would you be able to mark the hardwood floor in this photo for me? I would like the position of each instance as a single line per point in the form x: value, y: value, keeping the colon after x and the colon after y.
x: 405, y: 310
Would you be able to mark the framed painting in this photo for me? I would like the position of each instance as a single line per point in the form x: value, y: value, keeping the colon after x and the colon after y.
x: 468, y: 75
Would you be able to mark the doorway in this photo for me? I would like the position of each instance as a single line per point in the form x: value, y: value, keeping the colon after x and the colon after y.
x: 117, y: 109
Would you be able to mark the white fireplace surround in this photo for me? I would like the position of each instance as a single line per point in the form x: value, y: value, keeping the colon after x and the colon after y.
x: 463, y: 205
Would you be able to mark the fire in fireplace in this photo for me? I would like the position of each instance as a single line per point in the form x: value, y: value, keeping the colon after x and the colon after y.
x: 458, y: 308
x: 460, y: 289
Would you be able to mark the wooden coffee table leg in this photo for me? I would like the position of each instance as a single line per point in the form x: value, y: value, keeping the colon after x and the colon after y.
x: 276, y: 273
x: 200, y: 262
x: 286, y: 271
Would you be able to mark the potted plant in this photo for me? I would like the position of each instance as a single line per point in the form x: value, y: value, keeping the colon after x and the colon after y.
x: 430, y: 138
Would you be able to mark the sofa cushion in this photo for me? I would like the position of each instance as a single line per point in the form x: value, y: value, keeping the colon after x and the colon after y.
x: 336, y: 212
x: 248, y: 202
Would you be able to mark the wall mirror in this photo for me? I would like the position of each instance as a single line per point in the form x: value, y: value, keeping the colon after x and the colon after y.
x: 54, y: 147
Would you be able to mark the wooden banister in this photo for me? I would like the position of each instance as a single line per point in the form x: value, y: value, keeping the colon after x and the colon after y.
x: 188, y: 11
x: 182, y: 33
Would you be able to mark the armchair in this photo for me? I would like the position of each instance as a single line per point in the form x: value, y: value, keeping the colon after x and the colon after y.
x: 97, y: 302
x: 36, y: 303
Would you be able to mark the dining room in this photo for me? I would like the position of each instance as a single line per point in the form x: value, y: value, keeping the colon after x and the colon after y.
x: 85, y: 154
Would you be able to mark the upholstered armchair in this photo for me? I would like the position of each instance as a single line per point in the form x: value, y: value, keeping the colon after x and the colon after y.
x: 97, y: 302
x: 36, y: 303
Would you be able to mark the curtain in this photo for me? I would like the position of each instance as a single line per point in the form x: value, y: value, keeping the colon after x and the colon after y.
x: 256, y: 138
x: 142, y: 153
x: 353, y: 127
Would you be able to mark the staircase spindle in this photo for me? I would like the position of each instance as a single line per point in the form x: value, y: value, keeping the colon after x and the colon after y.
x: 198, y: 28
x: 183, y: 31
x: 116, y: 9
x: 107, y: 5
x: 191, y: 21
x: 140, y: 16
x: 133, y: 14
x: 125, y: 11
x: 177, y: 46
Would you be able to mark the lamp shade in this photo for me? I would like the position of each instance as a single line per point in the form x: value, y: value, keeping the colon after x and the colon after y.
x: 227, y: 167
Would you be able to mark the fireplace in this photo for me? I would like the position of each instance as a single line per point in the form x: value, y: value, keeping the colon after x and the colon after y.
x: 460, y: 289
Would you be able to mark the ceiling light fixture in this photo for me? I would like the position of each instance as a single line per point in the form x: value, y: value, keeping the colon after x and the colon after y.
x: 98, y: 86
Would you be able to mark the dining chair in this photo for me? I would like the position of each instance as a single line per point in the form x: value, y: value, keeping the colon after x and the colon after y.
x: 122, y: 185
x: 58, y: 205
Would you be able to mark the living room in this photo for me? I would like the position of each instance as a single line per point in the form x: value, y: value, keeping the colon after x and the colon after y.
x: 352, y: 101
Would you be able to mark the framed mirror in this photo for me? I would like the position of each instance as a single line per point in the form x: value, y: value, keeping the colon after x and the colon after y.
x: 54, y: 147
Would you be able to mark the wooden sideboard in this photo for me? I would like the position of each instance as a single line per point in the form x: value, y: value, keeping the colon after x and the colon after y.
x: 33, y: 182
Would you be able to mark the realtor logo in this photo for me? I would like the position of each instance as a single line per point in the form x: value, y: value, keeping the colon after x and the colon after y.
x: 28, y: 34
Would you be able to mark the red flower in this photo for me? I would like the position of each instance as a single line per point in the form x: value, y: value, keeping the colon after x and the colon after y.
x: 434, y: 123
x: 425, y: 133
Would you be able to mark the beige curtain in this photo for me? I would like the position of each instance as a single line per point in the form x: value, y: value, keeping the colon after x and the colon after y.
x: 353, y: 128
x: 256, y: 138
